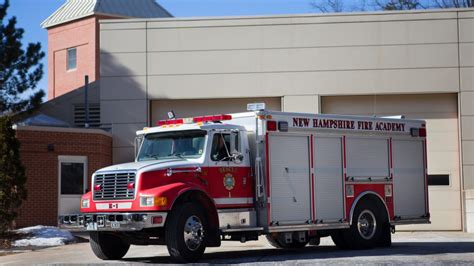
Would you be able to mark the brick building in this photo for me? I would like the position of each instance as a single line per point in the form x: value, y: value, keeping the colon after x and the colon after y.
x: 59, y: 163
x: 58, y: 153
x: 74, y: 41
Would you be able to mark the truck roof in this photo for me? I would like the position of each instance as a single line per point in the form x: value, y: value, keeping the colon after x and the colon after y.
x: 242, y: 121
x: 193, y: 126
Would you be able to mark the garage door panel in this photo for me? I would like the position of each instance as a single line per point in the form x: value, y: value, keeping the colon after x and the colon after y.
x: 189, y: 108
x: 449, y: 140
x: 440, y: 113
x: 442, y: 204
x: 442, y: 160
x: 389, y: 104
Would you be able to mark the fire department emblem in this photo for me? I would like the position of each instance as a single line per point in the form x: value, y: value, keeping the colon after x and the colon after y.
x: 229, y: 181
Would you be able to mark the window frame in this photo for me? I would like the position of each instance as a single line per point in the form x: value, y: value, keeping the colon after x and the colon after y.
x: 204, y: 144
x: 68, y: 58
x: 237, y: 146
x: 73, y: 159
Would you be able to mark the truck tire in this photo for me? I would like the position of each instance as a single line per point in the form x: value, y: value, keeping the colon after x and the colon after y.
x: 315, y: 241
x: 386, y: 237
x: 338, y: 238
x: 107, y: 246
x: 276, y: 242
x: 367, y: 226
x: 185, y: 233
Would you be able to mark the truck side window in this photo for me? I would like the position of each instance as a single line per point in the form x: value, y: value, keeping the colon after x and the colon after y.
x: 220, y: 150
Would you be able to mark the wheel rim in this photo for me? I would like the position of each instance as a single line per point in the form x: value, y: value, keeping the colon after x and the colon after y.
x: 366, y: 224
x: 193, y: 233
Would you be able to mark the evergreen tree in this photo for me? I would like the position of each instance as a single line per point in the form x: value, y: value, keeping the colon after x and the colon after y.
x: 12, y: 174
x: 20, y: 70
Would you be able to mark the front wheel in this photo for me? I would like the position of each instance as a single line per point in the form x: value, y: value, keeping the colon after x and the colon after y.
x: 186, y: 233
x: 107, y: 246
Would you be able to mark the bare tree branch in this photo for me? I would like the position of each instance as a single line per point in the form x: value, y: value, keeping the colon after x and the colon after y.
x: 328, y: 6
x: 453, y: 3
x: 399, y: 4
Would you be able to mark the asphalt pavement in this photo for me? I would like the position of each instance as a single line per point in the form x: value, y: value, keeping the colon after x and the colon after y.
x: 408, y: 248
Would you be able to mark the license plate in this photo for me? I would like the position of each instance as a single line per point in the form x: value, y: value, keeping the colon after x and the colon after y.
x: 115, y: 224
x: 91, y: 227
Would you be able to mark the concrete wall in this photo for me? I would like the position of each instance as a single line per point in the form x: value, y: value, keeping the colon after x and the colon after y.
x: 466, y: 106
x: 298, y: 58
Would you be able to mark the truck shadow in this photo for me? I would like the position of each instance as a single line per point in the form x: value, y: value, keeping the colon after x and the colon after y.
x: 321, y: 252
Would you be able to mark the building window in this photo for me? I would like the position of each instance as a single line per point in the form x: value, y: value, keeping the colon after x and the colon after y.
x: 80, y: 115
x: 71, y: 58
x: 72, y: 178
x: 438, y: 180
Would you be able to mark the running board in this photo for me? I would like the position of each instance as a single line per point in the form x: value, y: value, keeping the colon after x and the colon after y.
x: 245, y: 229
x: 305, y: 227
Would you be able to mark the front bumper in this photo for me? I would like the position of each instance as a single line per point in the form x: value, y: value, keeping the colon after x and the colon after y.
x: 112, y: 221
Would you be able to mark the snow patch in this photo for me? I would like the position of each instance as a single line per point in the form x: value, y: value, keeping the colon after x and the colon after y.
x: 43, y: 236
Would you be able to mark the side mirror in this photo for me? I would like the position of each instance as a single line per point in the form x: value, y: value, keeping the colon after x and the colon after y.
x: 138, y: 143
x: 234, y: 136
x: 237, y: 157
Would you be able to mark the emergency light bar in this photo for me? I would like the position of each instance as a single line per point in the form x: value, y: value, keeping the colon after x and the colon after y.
x: 198, y: 119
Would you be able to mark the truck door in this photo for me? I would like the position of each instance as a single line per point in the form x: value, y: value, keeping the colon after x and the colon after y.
x: 409, y: 188
x: 328, y: 178
x: 289, y: 174
x: 229, y: 179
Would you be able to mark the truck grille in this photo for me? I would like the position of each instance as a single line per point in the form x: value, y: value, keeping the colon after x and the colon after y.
x: 114, y: 186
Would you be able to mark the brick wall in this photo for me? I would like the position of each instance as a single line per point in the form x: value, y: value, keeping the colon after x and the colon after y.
x: 41, y: 206
x: 82, y: 34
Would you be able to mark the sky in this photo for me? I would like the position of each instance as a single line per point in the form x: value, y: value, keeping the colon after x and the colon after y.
x: 30, y: 14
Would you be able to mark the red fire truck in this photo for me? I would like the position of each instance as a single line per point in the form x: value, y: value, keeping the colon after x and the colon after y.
x: 293, y: 177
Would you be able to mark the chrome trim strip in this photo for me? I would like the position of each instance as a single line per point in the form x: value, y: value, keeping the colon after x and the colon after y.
x: 171, y: 171
x: 248, y: 229
x: 305, y: 227
x: 233, y: 200
x: 128, y: 221
x: 411, y: 221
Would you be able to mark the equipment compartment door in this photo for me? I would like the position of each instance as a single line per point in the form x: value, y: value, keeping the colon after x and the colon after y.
x: 328, y: 175
x: 409, y: 189
x: 289, y: 179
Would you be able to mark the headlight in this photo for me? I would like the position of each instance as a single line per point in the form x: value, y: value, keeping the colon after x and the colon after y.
x: 85, y: 203
x: 150, y: 201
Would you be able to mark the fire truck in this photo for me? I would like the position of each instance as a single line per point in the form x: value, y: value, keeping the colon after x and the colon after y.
x: 292, y: 177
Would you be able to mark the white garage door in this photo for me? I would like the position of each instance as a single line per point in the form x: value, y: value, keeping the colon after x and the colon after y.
x: 189, y: 108
x: 440, y: 112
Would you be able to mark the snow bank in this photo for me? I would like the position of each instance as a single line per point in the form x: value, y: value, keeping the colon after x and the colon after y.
x: 43, y: 236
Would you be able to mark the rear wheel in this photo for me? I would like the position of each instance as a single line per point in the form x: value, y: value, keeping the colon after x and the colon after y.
x: 367, y: 226
x: 338, y: 238
x: 185, y: 234
x: 107, y: 246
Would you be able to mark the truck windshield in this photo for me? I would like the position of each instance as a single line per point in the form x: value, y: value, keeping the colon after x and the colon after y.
x: 175, y: 144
